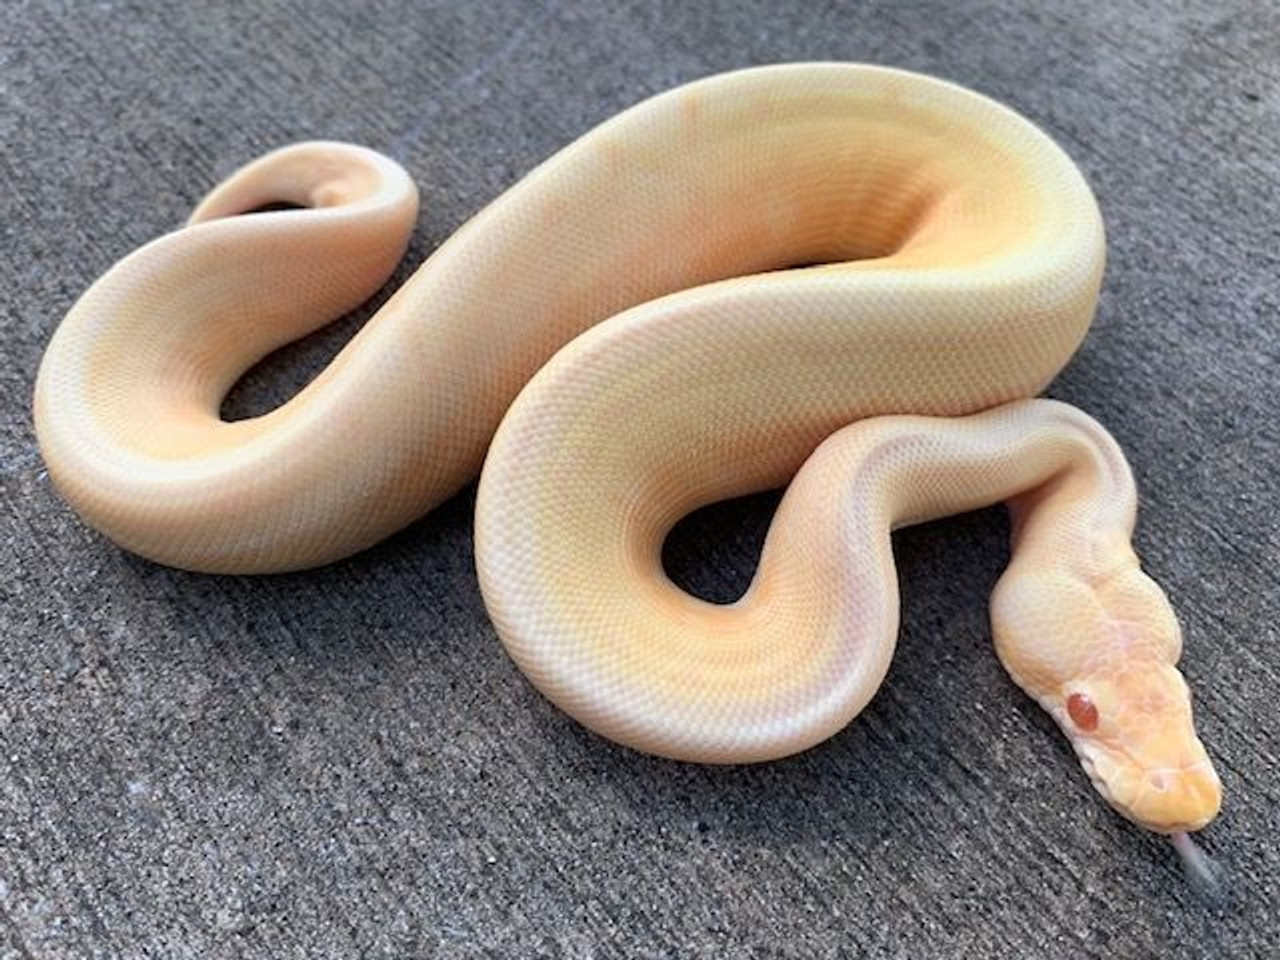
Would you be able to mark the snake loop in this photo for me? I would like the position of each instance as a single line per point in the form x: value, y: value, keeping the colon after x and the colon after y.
x: 631, y: 313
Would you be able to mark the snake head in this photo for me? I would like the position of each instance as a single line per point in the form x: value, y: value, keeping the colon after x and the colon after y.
x: 1133, y: 732
x: 1098, y: 653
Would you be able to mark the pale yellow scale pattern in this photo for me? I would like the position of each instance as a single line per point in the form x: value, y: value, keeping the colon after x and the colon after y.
x: 681, y: 306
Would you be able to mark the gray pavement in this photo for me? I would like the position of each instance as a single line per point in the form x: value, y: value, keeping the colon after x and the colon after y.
x: 343, y: 763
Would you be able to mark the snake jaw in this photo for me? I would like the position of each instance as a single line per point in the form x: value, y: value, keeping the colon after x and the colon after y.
x: 1163, y: 800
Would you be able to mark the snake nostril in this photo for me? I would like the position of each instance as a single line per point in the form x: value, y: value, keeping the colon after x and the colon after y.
x: 1158, y: 780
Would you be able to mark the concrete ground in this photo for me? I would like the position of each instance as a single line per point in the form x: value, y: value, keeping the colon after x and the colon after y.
x: 344, y: 763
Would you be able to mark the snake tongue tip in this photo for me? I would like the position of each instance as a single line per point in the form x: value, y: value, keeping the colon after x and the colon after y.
x: 1203, y: 875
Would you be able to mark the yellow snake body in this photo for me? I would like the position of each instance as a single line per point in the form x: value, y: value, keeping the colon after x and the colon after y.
x: 680, y: 307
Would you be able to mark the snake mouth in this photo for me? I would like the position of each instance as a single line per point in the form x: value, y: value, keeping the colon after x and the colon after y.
x: 1100, y: 783
x: 1170, y: 799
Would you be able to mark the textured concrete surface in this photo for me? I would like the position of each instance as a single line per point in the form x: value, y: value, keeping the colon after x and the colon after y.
x: 344, y: 764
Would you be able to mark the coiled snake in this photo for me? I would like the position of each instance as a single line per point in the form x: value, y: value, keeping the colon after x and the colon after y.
x: 624, y: 336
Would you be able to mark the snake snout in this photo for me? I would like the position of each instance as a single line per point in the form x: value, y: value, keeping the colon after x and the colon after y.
x: 1176, y: 800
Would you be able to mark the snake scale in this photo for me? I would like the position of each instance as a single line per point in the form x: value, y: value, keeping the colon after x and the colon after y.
x: 847, y: 278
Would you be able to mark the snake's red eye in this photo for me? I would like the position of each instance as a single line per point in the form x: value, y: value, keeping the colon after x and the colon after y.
x: 1082, y: 711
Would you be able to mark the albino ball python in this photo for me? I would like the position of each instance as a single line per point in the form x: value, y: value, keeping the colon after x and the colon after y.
x: 626, y: 334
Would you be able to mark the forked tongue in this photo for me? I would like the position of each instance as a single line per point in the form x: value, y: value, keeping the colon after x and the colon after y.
x: 1205, y: 877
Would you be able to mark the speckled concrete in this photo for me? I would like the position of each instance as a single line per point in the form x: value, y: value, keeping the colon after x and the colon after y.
x: 344, y: 763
